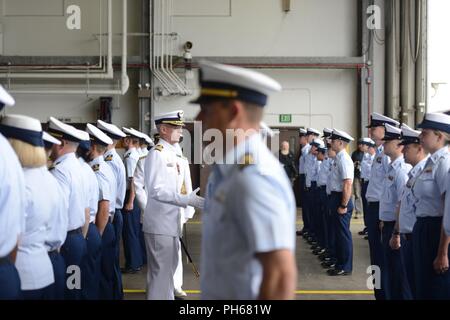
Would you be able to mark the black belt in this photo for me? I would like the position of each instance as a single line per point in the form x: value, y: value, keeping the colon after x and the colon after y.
x: 53, y: 252
x: 408, y: 236
x: 75, y: 231
x: 323, y: 188
x: 336, y: 193
x: 4, y: 261
x: 388, y: 223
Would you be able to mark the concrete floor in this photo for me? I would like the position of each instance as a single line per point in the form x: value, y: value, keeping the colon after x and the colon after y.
x: 313, y: 282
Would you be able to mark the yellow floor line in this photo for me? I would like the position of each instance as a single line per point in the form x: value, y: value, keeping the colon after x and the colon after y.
x: 358, y: 223
x: 298, y: 292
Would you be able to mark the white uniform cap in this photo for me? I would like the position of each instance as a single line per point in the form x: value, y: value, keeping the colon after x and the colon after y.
x: 378, y: 120
x: 313, y: 131
x: 367, y: 141
x: 219, y: 81
x: 318, y: 143
x: 392, y: 133
x: 148, y: 139
x: 341, y: 135
x: 22, y: 128
x: 132, y: 132
x: 84, y: 135
x: 111, y: 130
x: 409, y: 135
x: 175, y: 118
x: 302, y: 132
x: 98, y: 136
x: 50, y: 139
x: 64, y: 131
x: 436, y: 121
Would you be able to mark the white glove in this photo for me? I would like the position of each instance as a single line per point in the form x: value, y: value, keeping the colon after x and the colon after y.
x: 196, y: 201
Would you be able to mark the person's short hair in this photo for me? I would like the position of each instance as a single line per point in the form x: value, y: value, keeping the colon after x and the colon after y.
x: 29, y: 156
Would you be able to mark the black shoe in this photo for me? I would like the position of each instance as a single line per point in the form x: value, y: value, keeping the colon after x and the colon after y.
x: 315, y: 247
x: 366, y: 237
x: 362, y: 233
x: 318, y: 252
x: 328, y: 264
x: 299, y: 233
x: 324, y: 256
x: 129, y: 270
x: 334, y: 273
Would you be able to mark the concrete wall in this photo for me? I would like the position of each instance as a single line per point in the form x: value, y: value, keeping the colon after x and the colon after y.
x: 217, y: 28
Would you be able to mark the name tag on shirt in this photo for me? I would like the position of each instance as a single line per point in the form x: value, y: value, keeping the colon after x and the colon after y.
x: 428, y: 170
x: 379, y: 159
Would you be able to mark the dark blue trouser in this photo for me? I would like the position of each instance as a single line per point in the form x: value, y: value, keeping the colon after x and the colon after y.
x: 323, y: 217
x: 107, y: 263
x: 131, y: 245
x: 408, y: 262
x: 39, y: 294
x: 74, y: 252
x: 118, y: 226
x: 303, y: 202
x: 374, y: 234
x: 91, y: 267
x: 344, y: 243
x: 9, y: 281
x: 313, y: 209
x: 393, y: 272
x: 331, y: 229
x: 59, y: 272
x: 426, y: 237
x: 364, y: 186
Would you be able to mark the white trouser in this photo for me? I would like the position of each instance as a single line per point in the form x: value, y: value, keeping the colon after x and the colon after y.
x: 162, y: 261
x: 178, y: 276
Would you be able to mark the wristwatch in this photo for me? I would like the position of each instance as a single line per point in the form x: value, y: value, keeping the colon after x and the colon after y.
x: 342, y: 206
x: 396, y: 233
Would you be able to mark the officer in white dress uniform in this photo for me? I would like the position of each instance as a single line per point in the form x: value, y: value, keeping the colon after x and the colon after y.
x: 249, y: 217
x: 12, y: 211
x: 131, y: 213
x: 401, y: 238
x: 107, y: 187
x: 32, y: 262
x: 113, y: 159
x: 90, y: 277
x: 374, y: 191
x: 57, y: 230
x: 162, y: 221
x: 395, y: 286
x: 67, y: 170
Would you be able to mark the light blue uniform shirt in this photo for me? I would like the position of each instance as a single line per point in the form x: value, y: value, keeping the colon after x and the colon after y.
x: 379, y: 169
x: 343, y: 170
x: 311, y: 170
x: 33, y: 263
x: 68, y: 173
x: 248, y: 210
x: 366, y: 165
x: 304, y: 151
x: 130, y: 159
x: 407, y: 216
x: 431, y: 184
x: 91, y: 186
x: 113, y: 159
x: 12, y: 198
x: 324, y: 171
x: 106, y: 182
x: 59, y: 220
x: 393, y: 185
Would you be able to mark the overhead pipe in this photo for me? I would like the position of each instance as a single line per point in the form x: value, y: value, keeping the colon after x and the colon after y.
x: 125, y: 81
x: 87, y: 75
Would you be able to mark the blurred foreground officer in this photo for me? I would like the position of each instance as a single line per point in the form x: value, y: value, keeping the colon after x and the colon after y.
x: 130, y: 212
x: 67, y: 171
x: 57, y: 232
x: 106, y: 208
x: 33, y: 263
x: 430, y: 244
x: 166, y: 198
x: 113, y: 159
x: 374, y: 191
x: 341, y: 205
x: 401, y: 238
x: 12, y: 211
x: 90, y: 277
x: 248, y: 230
x: 395, y: 284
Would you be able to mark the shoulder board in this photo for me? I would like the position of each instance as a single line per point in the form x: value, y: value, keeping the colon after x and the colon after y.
x: 246, y: 161
x: 143, y: 157
x: 52, y: 167
x: 127, y: 156
x: 109, y: 157
x: 96, y: 167
x: 181, y: 156
x: 159, y: 147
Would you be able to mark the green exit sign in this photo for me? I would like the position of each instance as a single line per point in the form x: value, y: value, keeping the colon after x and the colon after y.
x: 285, y: 118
